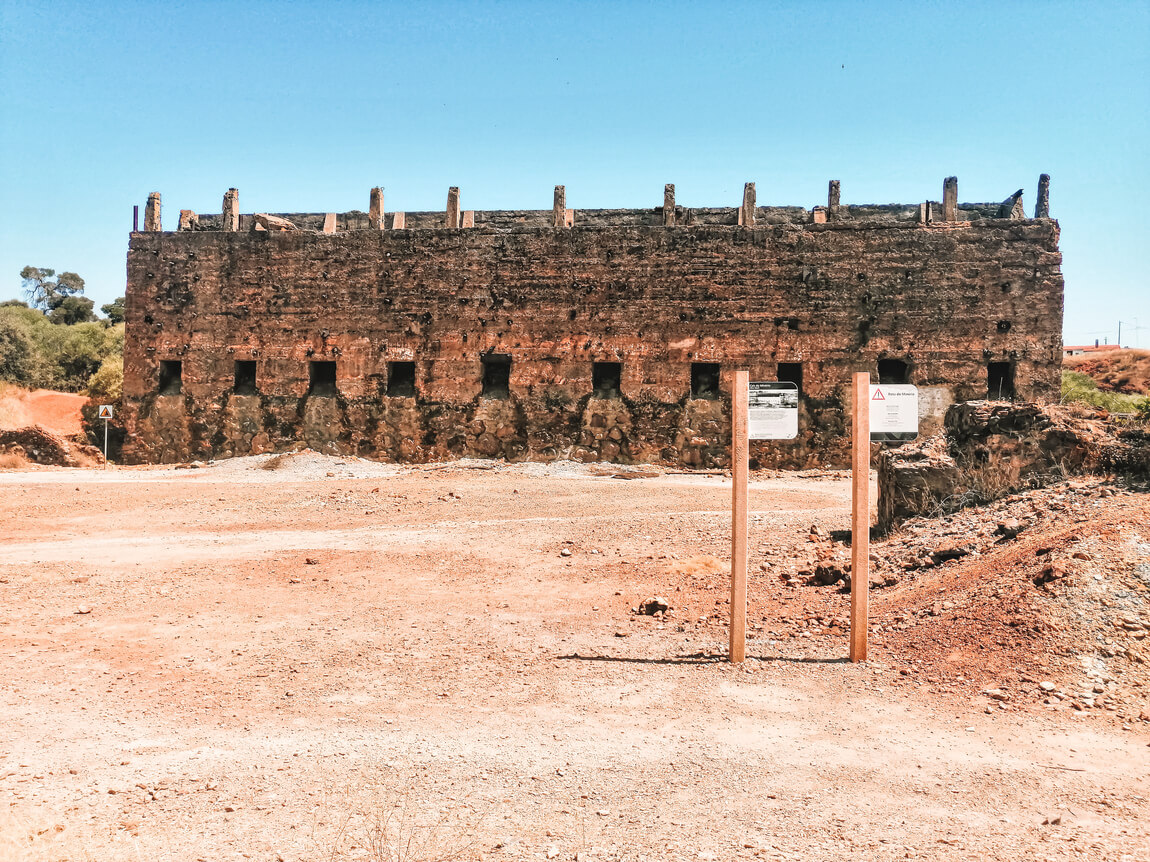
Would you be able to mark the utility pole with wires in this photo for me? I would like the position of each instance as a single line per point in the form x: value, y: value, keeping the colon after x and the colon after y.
x: 1135, y: 329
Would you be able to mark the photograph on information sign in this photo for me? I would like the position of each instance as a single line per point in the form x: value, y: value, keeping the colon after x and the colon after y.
x: 773, y: 395
x: 772, y: 410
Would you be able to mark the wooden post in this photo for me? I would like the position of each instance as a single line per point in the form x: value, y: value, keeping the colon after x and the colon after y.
x: 739, y: 392
x: 860, y: 514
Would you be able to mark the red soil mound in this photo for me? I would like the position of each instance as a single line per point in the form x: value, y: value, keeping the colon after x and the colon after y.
x: 55, y: 412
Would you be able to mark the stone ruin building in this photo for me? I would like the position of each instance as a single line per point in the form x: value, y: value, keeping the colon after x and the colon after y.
x: 593, y: 334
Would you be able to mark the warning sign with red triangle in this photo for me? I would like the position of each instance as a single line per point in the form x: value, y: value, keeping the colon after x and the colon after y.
x: 893, y: 412
x: 105, y: 411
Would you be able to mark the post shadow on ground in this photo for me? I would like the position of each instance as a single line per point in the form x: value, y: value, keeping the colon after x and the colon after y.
x: 700, y: 658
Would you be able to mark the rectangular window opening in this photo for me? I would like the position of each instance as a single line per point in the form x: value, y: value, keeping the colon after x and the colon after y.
x: 605, y: 377
x: 401, y: 379
x: 245, y: 379
x: 496, y: 375
x: 321, y: 376
x: 791, y: 372
x: 171, y: 376
x: 893, y: 371
x: 705, y: 380
x: 1000, y: 381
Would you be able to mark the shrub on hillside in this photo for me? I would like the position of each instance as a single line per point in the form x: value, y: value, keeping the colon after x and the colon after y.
x: 1078, y: 388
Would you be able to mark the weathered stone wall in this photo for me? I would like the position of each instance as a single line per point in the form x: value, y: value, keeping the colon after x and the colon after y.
x: 618, y: 286
x: 987, y: 450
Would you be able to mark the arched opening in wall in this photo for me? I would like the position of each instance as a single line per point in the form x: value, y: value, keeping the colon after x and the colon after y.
x: 171, y: 376
x: 244, y: 382
x: 496, y: 375
x: 1000, y: 381
x: 605, y: 377
x: 321, y: 379
x: 401, y: 379
x: 791, y: 372
x: 705, y: 380
x: 893, y: 371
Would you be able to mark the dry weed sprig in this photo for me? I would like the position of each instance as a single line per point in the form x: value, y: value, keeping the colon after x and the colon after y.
x: 398, y: 820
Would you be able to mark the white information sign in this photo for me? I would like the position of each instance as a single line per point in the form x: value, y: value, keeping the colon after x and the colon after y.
x: 105, y: 411
x: 893, y: 412
x: 772, y: 410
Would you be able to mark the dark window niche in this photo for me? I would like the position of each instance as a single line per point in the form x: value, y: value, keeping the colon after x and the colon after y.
x: 705, y: 380
x: 791, y: 372
x: 401, y: 379
x: 605, y: 377
x: 893, y: 371
x: 245, y: 378
x: 1000, y: 381
x: 321, y: 377
x: 171, y: 376
x: 496, y: 375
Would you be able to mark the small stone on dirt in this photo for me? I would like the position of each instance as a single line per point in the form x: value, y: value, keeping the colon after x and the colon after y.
x: 828, y: 573
x: 1009, y: 529
x: 950, y: 552
x: 83, y: 609
x: 654, y: 605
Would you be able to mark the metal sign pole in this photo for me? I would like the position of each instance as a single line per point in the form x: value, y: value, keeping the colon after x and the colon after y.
x: 107, y: 411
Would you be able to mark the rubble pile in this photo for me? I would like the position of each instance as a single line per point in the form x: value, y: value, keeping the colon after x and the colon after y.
x: 43, y: 447
x: 990, y: 449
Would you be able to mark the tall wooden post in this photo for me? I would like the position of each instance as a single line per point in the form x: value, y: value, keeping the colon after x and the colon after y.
x: 739, y: 392
x: 860, y: 514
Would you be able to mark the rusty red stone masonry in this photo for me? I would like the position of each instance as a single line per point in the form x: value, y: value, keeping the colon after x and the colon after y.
x: 405, y: 318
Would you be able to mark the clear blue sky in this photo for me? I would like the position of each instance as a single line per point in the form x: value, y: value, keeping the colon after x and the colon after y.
x: 305, y: 106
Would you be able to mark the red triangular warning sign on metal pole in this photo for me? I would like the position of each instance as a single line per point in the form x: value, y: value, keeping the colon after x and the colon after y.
x: 878, y: 396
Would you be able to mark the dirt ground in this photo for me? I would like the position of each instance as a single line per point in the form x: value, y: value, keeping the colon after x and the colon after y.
x: 309, y: 658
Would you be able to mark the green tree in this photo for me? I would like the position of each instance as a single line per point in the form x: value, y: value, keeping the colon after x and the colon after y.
x: 72, y: 354
x: 73, y: 309
x: 17, y: 359
x: 20, y: 356
x: 114, y: 310
x: 61, y: 357
x: 46, y: 290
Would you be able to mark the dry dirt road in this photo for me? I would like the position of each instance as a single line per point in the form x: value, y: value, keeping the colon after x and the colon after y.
x: 338, y: 659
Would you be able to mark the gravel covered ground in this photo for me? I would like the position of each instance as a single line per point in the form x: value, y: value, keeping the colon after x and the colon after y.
x: 309, y: 658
